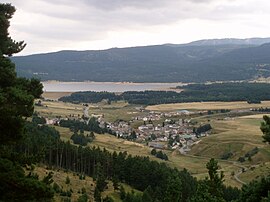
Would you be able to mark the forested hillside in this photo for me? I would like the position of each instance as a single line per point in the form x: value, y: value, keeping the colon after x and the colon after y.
x: 194, y: 62
x: 250, y: 92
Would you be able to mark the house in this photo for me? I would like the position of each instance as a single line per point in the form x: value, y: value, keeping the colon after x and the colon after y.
x: 156, y: 145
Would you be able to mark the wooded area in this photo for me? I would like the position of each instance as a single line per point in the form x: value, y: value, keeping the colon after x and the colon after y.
x: 226, y: 92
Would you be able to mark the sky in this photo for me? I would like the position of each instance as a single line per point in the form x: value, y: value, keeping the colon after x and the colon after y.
x: 54, y: 25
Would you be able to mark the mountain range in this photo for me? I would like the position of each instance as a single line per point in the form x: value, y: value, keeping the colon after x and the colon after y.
x: 198, y: 61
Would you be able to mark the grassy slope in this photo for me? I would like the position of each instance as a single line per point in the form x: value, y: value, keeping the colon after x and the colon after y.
x: 237, y: 136
x: 76, y: 184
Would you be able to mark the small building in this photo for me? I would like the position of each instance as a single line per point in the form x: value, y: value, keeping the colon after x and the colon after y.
x: 156, y: 145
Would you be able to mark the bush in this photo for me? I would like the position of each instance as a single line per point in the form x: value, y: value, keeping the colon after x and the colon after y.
x: 241, y: 159
x: 226, y: 155
x: 56, y: 188
x: 67, y: 180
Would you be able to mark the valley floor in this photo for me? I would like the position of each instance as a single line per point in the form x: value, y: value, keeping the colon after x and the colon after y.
x: 237, y: 133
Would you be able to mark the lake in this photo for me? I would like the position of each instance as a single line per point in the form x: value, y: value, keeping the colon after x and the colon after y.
x: 54, y: 86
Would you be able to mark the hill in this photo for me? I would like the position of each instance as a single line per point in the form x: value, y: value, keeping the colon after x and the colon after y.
x: 200, y: 61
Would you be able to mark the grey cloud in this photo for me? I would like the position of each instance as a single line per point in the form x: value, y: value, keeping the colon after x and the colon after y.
x: 92, y: 19
x: 88, y: 20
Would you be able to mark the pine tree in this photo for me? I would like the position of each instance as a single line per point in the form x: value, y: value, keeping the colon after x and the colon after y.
x: 215, y: 181
x: 97, y: 195
x: 16, y: 94
x: 16, y: 103
x: 265, y: 128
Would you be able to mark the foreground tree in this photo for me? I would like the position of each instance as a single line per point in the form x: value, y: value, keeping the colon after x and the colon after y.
x: 256, y: 190
x: 210, y: 189
x: 16, y: 103
x: 16, y: 94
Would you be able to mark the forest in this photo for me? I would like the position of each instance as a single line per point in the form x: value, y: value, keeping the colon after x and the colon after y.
x: 250, y: 92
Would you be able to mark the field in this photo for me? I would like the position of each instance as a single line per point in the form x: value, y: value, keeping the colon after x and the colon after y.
x: 207, y: 106
x: 55, y: 95
x: 112, y: 112
x: 237, y: 135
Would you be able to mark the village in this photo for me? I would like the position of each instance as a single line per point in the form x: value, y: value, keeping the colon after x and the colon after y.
x: 169, y: 134
x: 160, y: 130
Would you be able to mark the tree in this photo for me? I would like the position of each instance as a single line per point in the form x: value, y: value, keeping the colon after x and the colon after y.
x: 16, y: 103
x: 67, y: 180
x: 122, y: 192
x: 256, y: 190
x: 83, y: 198
x: 147, y: 194
x: 115, y: 183
x: 101, y: 183
x: 210, y: 189
x: 108, y: 199
x: 7, y: 45
x: 265, y: 128
x: 97, y: 195
x: 174, y: 187
x: 154, y: 151
x: 215, y: 181
x: 16, y: 94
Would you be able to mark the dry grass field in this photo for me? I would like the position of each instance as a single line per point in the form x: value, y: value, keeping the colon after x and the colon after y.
x: 54, y: 109
x: 55, y: 95
x: 207, y: 106
x: 238, y: 136
x: 112, y: 112
x: 254, y: 116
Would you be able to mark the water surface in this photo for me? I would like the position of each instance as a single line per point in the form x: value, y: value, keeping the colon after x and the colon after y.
x: 50, y: 86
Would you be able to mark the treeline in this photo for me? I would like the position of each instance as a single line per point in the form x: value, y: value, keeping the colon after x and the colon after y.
x: 159, y: 154
x: 90, y: 97
x: 266, y: 109
x: 91, y: 125
x: 250, y: 92
x: 81, y: 139
x: 165, y: 183
x: 203, y: 128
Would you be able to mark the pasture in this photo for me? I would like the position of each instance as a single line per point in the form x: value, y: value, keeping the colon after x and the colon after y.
x: 207, y: 106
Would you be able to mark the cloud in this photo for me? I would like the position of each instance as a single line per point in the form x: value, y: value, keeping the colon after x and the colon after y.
x: 64, y: 23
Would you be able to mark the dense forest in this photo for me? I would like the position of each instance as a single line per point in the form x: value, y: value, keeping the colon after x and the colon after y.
x: 250, y: 92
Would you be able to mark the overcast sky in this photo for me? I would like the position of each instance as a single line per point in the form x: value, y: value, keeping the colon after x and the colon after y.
x: 53, y: 25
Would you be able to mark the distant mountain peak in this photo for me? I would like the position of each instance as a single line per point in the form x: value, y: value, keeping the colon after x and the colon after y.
x: 230, y: 41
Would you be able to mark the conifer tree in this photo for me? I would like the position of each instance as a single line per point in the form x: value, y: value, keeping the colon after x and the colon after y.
x: 16, y: 94
x: 16, y: 103
x: 265, y: 128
